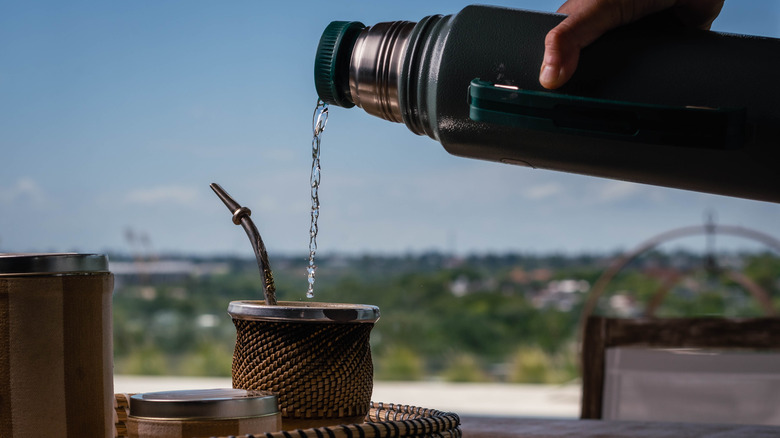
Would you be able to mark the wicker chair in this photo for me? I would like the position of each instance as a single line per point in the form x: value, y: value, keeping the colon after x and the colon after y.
x: 604, y: 338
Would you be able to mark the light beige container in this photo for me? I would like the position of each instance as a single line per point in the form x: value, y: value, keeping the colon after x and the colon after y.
x: 56, y: 351
x: 202, y: 413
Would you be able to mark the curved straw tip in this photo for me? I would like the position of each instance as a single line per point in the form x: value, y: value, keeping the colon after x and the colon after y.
x: 229, y: 202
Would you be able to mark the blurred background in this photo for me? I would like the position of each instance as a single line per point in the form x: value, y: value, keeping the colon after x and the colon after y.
x: 116, y: 116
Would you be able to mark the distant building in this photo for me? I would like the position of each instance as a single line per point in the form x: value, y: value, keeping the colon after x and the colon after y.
x: 162, y: 271
x: 561, y: 294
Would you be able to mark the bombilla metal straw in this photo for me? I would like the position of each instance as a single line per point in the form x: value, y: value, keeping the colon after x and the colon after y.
x: 241, y: 217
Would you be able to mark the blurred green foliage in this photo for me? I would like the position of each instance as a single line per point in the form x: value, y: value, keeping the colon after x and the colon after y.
x: 510, y: 318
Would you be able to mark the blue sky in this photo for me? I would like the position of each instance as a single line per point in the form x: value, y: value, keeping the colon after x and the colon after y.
x: 118, y: 115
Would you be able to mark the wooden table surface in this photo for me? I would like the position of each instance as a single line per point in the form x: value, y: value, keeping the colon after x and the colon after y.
x: 506, y: 427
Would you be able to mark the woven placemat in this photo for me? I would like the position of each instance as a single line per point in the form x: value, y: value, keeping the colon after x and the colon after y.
x: 384, y: 420
x: 121, y: 408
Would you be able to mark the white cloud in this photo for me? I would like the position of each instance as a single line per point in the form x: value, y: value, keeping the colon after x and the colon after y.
x: 24, y: 189
x: 543, y: 191
x: 171, y: 194
x: 614, y: 191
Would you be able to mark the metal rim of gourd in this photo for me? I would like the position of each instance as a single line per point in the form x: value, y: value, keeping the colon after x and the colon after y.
x: 303, y: 311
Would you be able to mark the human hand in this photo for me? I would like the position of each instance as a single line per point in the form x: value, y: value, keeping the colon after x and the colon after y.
x: 589, y: 19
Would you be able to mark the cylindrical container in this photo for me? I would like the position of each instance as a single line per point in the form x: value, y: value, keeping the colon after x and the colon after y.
x: 202, y: 413
x: 315, y: 356
x: 652, y: 102
x: 56, y: 350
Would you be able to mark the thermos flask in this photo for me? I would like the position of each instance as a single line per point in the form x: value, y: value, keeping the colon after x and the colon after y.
x: 652, y: 102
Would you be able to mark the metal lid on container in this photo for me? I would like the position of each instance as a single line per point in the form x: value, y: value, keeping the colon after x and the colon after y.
x: 299, y: 311
x: 51, y: 263
x: 203, y: 404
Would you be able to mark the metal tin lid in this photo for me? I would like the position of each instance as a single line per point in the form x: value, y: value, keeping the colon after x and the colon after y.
x: 51, y: 263
x: 299, y: 311
x: 203, y: 404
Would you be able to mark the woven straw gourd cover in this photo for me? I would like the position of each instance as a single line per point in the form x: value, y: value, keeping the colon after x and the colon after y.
x: 318, y: 370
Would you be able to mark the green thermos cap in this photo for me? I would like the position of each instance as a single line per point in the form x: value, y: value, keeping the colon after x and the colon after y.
x: 331, y: 65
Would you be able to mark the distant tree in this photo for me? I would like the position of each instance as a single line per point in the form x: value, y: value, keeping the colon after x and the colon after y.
x: 464, y: 367
x: 399, y: 363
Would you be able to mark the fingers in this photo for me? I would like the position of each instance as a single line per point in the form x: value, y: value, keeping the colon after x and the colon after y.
x: 698, y: 13
x: 587, y: 20
x: 561, y: 54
